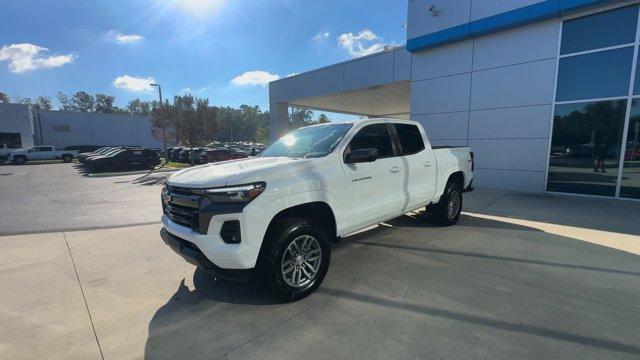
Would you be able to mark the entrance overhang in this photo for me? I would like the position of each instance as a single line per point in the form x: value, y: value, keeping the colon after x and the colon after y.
x: 377, y: 85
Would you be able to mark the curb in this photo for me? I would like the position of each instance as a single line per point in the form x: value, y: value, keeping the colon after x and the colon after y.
x: 111, y: 174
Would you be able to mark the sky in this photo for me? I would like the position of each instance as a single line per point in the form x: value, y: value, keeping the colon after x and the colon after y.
x: 223, y: 50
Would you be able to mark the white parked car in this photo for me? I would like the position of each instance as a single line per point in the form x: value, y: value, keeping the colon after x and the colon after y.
x: 279, y: 212
x: 44, y: 152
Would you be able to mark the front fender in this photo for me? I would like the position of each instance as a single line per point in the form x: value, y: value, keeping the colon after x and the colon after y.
x: 259, y: 214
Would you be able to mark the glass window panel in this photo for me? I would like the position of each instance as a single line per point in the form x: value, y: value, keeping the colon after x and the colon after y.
x: 585, y: 147
x: 630, y: 184
x: 596, y: 75
x: 636, y: 84
x: 609, y: 28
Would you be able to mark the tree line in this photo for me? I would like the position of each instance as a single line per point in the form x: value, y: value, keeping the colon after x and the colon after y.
x: 82, y: 101
x: 186, y: 120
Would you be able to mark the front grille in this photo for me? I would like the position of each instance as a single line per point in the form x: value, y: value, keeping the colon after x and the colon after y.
x: 177, y: 209
x: 182, y: 215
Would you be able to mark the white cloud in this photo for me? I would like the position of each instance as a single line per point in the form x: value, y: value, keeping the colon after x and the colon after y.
x: 253, y: 78
x: 121, y: 38
x: 25, y: 57
x: 197, y: 91
x: 364, y: 43
x: 135, y: 84
x: 321, y: 36
x: 292, y: 74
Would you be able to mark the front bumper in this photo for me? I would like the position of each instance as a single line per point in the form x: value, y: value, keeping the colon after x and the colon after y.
x: 192, y: 254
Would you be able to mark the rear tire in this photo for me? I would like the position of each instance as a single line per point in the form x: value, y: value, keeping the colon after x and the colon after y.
x: 297, y: 258
x: 447, y: 211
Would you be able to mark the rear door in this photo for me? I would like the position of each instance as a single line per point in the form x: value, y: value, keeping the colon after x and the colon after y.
x: 374, y: 189
x: 420, y: 164
x: 42, y: 153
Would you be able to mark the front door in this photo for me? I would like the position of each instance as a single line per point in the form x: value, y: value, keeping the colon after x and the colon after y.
x: 374, y: 189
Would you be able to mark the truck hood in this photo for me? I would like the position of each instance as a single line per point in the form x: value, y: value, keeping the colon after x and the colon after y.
x: 232, y: 172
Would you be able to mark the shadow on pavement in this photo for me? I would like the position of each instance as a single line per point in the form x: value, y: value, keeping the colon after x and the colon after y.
x: 483, y: 321
x: 189, y: 316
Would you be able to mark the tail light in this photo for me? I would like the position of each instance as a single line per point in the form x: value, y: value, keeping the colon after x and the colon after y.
x: 473, y: 161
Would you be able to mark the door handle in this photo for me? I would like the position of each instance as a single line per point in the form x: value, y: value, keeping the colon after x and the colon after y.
x: 427, y: 164
x: 395, y: 169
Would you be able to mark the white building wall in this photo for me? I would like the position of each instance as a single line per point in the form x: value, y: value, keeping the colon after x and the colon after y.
x: 94, y: 129
x: 16, y: 118
x: 493, y: 93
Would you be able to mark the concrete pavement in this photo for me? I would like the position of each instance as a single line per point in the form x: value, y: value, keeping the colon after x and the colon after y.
x: 509, y: 281
x: 59, y: 197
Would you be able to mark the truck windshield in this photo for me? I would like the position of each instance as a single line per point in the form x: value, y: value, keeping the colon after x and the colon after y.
x: 309, y: 142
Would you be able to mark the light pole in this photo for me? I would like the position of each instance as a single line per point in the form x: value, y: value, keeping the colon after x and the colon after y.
x: 164, y: 140
x: 159, y: 92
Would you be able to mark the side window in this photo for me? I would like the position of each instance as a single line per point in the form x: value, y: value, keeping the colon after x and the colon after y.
x: 137, y: 152
x: 373, y: 136
x: 410, y: 138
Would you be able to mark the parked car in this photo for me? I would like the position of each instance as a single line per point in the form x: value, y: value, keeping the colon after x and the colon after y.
x: 220, y: 154
x: 185, y: 155
x: 175, y: 154
x: 4, y: 151
x: 44, y: 152
x: 84, y: 148
x: 83, y: 157
x: 279, y: 212
x: 125, y: 159
x: 632, y: 152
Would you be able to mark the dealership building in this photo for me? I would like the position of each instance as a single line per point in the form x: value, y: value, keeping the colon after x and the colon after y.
x: 545, y: 92
x: 23, y: 127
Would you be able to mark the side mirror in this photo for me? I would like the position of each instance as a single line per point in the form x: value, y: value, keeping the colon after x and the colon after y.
x: 361, y: 156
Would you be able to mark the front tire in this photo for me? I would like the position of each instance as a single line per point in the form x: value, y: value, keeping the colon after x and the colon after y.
x: 447, y: 211
x: 297, y: 259
x: 67, y: 158
x: 19, y: 160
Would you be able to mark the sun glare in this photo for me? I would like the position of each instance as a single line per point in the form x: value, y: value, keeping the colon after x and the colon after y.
x: 198, y: 8
x: 289, y: 140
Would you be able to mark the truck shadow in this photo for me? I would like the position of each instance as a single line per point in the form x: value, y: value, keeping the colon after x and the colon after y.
x: 188, y: 325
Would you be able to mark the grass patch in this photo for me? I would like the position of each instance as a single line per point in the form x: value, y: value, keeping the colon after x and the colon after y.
x: 173, y: 164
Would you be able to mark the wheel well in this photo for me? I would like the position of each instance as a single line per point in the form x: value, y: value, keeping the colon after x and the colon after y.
x: 457, y: 177
x: 318, y: 211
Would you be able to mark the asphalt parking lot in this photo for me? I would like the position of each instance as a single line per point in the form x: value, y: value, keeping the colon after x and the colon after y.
x: 55, y: 197
x: 521, y: 276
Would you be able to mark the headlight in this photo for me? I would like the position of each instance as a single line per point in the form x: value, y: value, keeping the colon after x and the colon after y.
x: 237, y: 193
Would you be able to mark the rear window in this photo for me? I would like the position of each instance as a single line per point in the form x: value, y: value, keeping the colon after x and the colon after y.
x: 410, y: 138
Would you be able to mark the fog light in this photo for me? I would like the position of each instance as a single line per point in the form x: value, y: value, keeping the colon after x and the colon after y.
x: 230, y: 232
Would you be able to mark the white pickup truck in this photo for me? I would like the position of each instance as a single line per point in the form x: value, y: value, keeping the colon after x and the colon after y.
x: 44, y: 152
x: 278, y: 212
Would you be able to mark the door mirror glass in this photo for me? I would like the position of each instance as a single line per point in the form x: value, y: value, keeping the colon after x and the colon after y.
x: 361, y: 156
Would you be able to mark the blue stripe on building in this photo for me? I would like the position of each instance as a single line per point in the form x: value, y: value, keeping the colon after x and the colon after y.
x: 543, y: 10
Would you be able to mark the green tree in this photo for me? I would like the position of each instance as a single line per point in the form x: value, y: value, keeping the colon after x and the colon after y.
x: 139, y: 107
x: 66, y: 104
x: 323, y: 119
x: 262, y: 135
x: 84, y: 102
x: 299, y: 117
x: 23, y: 100
x: 163, y: 124
x: 43, y: 103
x: 4, y: 98
x: 104, y: 104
